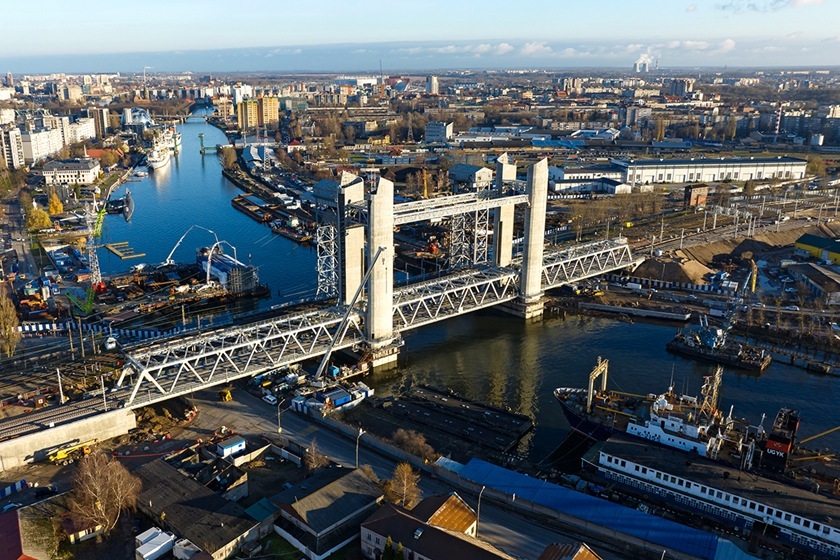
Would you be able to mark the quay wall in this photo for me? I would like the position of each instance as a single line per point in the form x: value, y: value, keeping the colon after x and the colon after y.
x: 35, y: 447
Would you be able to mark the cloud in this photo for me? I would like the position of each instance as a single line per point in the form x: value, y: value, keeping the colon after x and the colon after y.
x: 726, y: 46
x: 741, y: 6
x: 473, y: 50
x: 537, y: 48
x: 691, y: 8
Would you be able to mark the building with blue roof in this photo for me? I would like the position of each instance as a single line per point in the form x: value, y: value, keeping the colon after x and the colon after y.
x: 631, y: 522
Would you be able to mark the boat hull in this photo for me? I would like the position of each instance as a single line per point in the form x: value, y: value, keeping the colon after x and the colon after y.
x: 586, y: 426
x: 677, y: 347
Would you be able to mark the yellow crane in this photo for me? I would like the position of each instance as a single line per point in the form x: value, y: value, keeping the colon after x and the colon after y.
x: 69, y: 453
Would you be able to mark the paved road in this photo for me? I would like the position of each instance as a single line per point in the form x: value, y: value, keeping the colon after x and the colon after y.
x: 249, y: 415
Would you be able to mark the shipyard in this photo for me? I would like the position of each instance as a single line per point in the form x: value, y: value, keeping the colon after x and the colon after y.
x: 494, y: 313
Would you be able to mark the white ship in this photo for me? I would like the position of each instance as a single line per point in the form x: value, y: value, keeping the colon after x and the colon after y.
x: 157, y: 158
x: 172, y: 139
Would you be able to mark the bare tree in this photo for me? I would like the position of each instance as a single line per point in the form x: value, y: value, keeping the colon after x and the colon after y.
x: 403, y: 488
x: 9, y: 333
x: 314, y: 459
x: 102, y: 489
x: 414, y: 443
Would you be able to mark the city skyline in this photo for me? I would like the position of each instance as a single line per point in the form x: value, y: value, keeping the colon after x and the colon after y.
x: 332, y: 37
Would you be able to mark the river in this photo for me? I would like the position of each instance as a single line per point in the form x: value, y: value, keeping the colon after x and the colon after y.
x: 488, y: 356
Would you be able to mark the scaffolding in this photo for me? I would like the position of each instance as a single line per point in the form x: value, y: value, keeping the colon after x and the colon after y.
x: 326, y: 239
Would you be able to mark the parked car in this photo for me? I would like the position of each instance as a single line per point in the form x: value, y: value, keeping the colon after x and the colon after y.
x: 270, y: 399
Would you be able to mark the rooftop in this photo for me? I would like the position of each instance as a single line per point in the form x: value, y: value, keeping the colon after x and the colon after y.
x: 332, y: 499
x: 447, y: 512
x: 192, y: 511
x: 709, y: 161
x: 426, y: 540
x: 86, y: 164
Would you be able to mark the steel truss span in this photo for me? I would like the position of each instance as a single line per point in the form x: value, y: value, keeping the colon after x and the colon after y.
x: 585, y: 261
x: 201, y: 361
x: 455, y: 294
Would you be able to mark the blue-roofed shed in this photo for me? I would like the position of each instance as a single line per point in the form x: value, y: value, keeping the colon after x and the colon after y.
x: 601, y: 512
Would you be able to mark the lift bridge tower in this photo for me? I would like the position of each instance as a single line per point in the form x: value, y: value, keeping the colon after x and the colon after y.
x: 355, y: 220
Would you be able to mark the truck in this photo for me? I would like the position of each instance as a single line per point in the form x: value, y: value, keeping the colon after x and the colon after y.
x: 69, y: 453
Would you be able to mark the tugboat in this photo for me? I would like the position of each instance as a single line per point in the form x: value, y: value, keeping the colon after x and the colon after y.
x: 709, y: 343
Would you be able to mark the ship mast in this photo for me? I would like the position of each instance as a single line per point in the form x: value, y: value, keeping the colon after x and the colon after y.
x: 711, y: 393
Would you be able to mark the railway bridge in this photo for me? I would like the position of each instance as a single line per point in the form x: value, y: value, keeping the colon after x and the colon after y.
x: 356, y: 268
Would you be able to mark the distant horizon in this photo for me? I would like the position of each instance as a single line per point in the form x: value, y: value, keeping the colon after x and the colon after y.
x: 333, y: 59
x: 335, y: 36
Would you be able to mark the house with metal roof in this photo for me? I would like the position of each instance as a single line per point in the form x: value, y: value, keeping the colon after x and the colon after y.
x: 448, y: 512
x: 818, y: 247
x: 323, y: 513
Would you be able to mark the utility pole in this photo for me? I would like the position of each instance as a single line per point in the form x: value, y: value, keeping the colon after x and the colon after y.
x: 60, y: 388
x: 682, y: 236
x: 662, y: 229
x: 714, y: 221
x: 81, y: 339
x: 104, y: 397
x: 705, y: 215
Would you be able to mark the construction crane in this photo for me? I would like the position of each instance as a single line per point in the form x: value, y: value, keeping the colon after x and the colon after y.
x: 169, y: 260
x: 94, y: 224
x: 69, y: 453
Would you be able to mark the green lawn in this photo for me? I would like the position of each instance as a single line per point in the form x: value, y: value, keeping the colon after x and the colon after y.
x: 275, y: 545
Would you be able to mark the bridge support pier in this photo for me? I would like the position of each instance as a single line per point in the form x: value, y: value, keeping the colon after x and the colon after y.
x: 529, y: 305
x: 379, y: 326
x: 352, y: 238
x: 503, y: 215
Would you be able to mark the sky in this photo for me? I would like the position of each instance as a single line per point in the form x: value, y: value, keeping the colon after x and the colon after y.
x: 348, y: 35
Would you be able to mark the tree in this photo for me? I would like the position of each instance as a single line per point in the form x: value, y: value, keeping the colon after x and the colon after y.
x: 414, y: 443
x: 9, y: 333
x: 228, y: 157
x: 56, y: 207
x: 816, y: 166
x: 102, y: 489
x: 38, y: 219
x: 25, y: 200
x: 314, y: 459
x: 388, y: 552
x: 108, y: 158
x: 403, y: 487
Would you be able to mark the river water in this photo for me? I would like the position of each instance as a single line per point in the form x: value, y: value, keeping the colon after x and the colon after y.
x: 487, y: 356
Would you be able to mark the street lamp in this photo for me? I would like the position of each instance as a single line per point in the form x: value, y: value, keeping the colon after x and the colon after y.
x: 478, y: 513
x: 279, y: 428
x: 358, y: 437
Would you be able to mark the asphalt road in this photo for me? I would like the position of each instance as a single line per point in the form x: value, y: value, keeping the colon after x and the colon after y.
x: 248, y: 415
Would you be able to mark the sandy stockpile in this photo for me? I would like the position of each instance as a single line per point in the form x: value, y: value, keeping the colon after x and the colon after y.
x: 763, y: 243
x: 674, y: 269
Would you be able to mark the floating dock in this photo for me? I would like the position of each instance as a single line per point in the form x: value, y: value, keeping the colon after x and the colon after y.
x: 123, y: 250
x: 637, y: 312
